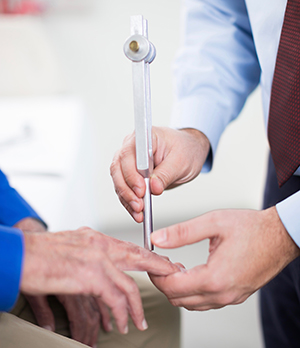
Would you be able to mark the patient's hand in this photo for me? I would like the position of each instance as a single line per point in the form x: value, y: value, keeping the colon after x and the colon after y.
x: 86, y: 262
x: 82, y: 311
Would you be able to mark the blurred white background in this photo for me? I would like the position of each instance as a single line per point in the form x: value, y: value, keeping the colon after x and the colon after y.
x: 65, y: 107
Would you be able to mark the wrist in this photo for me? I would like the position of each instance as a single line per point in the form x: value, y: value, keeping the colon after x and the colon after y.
x: 30, y: 225
x: 36, y: 264
x: 287, y: 248
x: 200, y: 137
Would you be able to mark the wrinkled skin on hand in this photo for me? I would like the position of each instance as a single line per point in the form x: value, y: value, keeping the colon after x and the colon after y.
x: 247, y: 249
x: 87, y: 265
x: 178, y: 158
x: 84, y: 314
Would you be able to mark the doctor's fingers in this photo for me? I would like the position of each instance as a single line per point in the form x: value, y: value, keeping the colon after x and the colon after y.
x: 199, y: 302
x: 200, y: 288
x: 188, y: 232
x: 198, y: 280
x: 209, y: 300
x: 121, y: 294
x: 129, y: 184
x: 137, y: 216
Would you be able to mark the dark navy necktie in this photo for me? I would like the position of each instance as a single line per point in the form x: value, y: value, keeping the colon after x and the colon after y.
x: 284, y: 114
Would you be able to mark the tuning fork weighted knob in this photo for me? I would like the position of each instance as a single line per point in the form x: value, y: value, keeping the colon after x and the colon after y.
x: 138, y: 48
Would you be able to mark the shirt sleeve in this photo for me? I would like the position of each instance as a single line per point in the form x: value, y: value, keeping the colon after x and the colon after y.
x: 289, y: 212
x: 11, y: 258
x: 215, y: 69
x: 13, y: 207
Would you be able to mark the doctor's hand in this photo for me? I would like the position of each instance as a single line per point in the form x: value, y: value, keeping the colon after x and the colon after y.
x: 247, y: 249
x: 89, y: 263
x: 178, y: 158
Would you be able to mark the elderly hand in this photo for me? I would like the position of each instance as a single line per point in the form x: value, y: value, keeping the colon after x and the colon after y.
x: 178, y: 158
x: 83, y: 312
x: 247, y: 249
x: 88, y: 262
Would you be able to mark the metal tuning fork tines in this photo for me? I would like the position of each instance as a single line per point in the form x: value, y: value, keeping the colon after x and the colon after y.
x: 141, y: 52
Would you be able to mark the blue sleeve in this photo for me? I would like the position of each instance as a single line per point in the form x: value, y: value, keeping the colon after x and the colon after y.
x: 216, y: 67
x: 11, y: 258
x: 13, y: 207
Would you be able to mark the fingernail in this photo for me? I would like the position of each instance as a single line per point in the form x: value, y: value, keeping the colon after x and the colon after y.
x: 159, y: 237
x: 95, y: 346
x: 137, y: 191
x: 135, y: 206
x: 48, y: 327
x: 144, y: 325
x: 125, y: 331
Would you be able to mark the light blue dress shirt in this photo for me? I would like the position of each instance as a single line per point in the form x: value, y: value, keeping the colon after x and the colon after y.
x: 227, y: 48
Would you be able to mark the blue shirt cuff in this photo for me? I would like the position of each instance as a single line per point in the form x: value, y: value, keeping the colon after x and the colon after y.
x: 11, y: 259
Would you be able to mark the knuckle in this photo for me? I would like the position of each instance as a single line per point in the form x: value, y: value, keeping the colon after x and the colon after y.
x: 126, y: 206
x: 125, y: 152
x: 138, y: 254
x: 90, y: 236
x: 129, y: 138
x: 131, y: 177
x: 121, y: 192
x: 165, y: 178
x: 182, y: 232
x: 118, y: 304
x: 214, y: 217
x: 114, y: 167
x: 131, y: 288
x: 84, y: 228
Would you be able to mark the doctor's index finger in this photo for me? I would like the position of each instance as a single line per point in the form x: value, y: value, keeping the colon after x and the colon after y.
x: 184, y: 233
x: 129, y: 170
x: 182, y: 284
